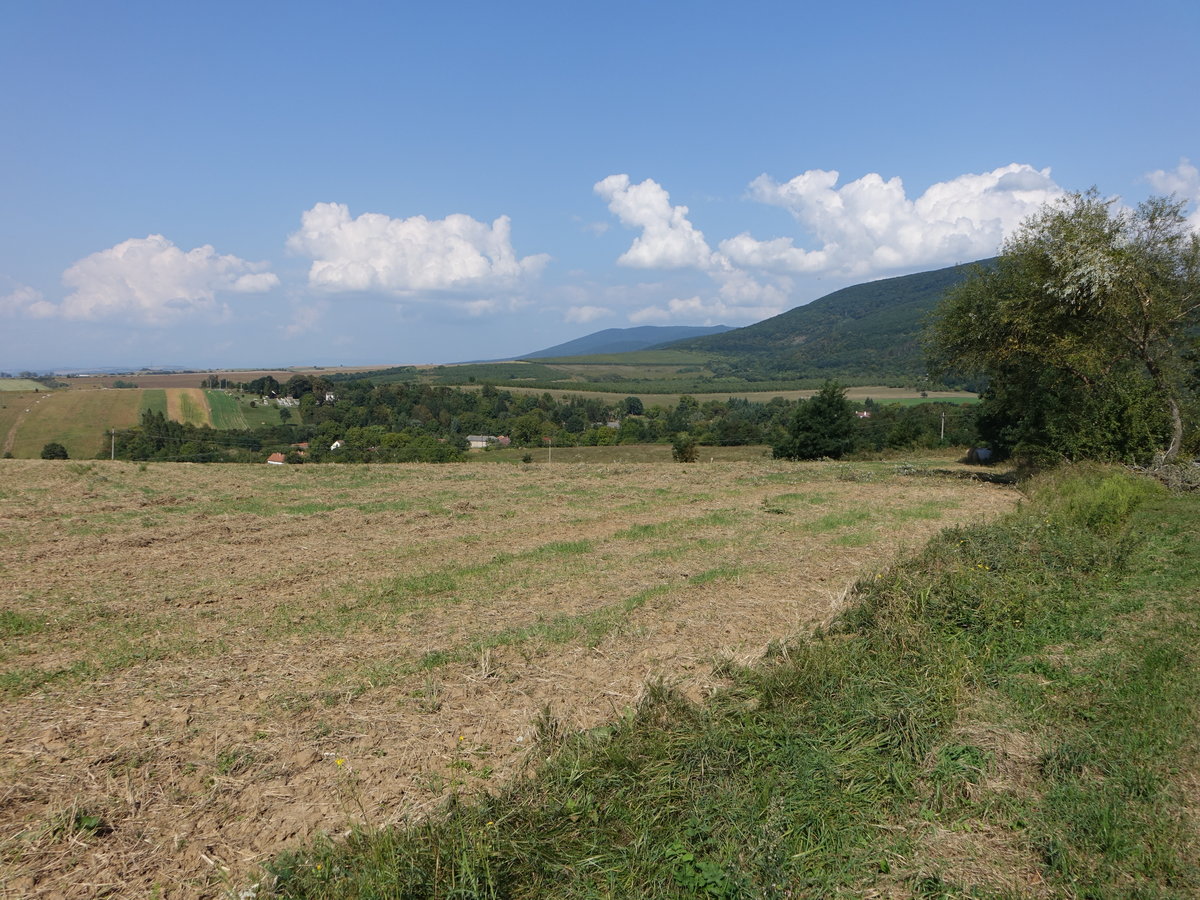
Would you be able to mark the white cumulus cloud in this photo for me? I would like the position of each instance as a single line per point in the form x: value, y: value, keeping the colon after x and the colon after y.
x: 700, y: 310
x: 584, y: 314
x: 1184, y: 182
x: 400, y: 256
x: 871, y: 225
x: 153, y: 280
x: 28, y: 301
x: 668, y: 240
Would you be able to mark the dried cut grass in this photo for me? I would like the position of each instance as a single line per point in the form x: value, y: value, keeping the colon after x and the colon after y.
x: 214, y: 639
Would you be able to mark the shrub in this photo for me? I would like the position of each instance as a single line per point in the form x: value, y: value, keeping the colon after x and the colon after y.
x: 684, y: 448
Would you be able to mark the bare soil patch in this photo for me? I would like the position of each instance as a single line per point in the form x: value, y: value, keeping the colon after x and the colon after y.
x: 204, y: 665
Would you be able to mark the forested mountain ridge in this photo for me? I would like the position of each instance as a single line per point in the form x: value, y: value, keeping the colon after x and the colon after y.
x: 859, y: 330
x: 626, y: 340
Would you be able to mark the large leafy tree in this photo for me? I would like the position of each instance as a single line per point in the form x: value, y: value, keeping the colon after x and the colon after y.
x: 1081, y: 327
x: 823, y: 426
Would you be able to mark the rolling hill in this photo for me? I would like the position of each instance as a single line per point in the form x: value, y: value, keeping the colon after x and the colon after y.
x: 865, y: 329
x: 626, y: 340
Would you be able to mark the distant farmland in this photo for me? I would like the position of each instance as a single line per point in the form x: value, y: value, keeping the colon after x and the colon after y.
x: 75, y: 419
x: 80, y: 419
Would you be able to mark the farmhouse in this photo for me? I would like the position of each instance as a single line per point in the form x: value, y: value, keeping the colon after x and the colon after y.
x: 275, y: 459
x: 480, y: 441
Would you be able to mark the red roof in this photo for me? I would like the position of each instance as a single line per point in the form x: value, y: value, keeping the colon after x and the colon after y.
x: 275, y: 458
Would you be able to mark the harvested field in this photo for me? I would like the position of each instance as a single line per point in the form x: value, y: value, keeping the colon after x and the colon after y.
x: 203, y: 665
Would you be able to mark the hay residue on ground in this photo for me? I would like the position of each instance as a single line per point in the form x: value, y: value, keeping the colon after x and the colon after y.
x: 205, y: 665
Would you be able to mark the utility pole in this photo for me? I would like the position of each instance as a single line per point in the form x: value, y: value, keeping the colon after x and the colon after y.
x: 112, y: 453
x: 943, y: 438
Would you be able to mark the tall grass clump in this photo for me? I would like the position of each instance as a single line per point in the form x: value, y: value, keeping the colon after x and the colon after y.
x: 813, y: 772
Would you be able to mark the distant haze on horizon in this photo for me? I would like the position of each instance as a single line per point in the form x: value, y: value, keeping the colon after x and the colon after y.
x: 239, y: 186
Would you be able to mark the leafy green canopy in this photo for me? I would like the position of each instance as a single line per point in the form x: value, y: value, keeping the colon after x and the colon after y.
x: 54, y: 450
x: 1082, y: 327
x: 823, y: 426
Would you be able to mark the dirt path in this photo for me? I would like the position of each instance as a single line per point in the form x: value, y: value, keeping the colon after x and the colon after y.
x: 190, y: 650
x: 10, y: 439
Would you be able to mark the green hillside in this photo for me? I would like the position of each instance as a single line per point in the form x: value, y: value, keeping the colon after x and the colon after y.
x: 866, y: 329
x: 626, y: 340
x: 867, y: 334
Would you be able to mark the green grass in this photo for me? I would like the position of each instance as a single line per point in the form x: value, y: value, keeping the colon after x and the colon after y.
x: 20, y: 384
x: 831, y: 767
x: 841, y: 519
x: 234, y: 412
x: 227, y: 412
x: 76, y: 419
x: 154, y: 400
x: 14, y: 624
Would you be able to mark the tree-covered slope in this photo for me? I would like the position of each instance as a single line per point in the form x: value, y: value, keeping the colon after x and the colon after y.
x: 864, y: 329
x: 626, y: 340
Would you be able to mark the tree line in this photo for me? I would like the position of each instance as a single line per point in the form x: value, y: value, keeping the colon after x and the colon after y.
x: 417, y: 422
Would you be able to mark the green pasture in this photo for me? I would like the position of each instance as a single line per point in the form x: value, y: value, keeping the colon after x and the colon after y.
x: 20, y: 384
x: 233, y: 412
x: 76, y: 419
x: 154, y: 400
x: 879, y: 393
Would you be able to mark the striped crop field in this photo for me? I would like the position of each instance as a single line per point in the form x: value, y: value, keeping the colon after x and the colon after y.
x: 188, y: 405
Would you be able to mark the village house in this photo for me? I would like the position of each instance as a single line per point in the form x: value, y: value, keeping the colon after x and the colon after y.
x: 275, y: 459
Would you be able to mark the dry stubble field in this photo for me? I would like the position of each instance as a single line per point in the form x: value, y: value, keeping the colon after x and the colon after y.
x: 203, y: 665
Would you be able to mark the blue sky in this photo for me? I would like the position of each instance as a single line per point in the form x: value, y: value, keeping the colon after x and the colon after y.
x: 269, y: 184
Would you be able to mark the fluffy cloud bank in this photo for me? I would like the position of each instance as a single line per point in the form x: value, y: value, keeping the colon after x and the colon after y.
x: 668, y: 240
x: 401, y: 256
x: 863, y: 228
x: 870, y: 225
x: 26, y: 300
x: 149, y: 279
x: 146, y: 279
